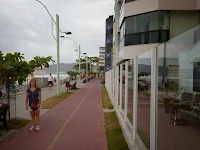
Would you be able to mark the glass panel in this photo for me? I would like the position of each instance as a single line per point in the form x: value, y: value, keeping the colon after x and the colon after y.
x: 144, y: 86
x: 157, y: 20
x: 146, y: 37
x: 123, y: 86
x: 109, y: 26
x: 132, y: 39
x: 119, y: 88
x: 130, y: 25
x: 178, y: 92
x: 130, y: 90
x: 164, y: 20
x: 109, y: 41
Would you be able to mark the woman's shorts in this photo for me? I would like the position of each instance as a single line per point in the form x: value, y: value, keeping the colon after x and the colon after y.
x: 29, y: 109
x: 50, y: 82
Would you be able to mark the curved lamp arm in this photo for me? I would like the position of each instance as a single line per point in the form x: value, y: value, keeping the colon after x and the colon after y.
x: 72, y: 40
x: 49, y: 14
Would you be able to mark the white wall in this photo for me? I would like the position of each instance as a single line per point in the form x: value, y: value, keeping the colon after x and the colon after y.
x: 181, y: 21
x: 177, y: 4
x: 108, y: 82
x: 129, y: 52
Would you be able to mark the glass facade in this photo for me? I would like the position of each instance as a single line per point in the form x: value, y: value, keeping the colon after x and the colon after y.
x: 178, y: 92
x: 130, y: 89
x: 144, y: 86
x: 167, y: 116
x: 109, y: 43
x: 146, y: 28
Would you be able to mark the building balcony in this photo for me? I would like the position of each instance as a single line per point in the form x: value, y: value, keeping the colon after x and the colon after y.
x: 135, y: 7
x: 126, y: 1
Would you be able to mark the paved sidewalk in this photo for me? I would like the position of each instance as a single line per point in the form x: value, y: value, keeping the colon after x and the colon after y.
x: 21, y: 112
x: 77, y: 123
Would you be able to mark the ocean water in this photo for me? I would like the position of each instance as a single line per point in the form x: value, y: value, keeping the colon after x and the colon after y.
x: 62, y: 76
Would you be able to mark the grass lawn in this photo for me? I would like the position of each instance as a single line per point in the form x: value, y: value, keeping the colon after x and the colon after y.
x: 115, y: 137
x: 52, y: 101
x: 106, y: 100
x: 17, y: 123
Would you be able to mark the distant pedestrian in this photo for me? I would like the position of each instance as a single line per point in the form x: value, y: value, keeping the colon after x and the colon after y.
x: 33, y: 101
x: 54, y: 80
x: 50, y: 81
x: 67, y: 84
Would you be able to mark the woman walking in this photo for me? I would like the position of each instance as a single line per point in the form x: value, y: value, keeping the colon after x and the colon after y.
x: 33, y: 101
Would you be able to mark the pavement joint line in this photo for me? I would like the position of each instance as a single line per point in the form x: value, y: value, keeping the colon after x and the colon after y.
x: 52, y: 144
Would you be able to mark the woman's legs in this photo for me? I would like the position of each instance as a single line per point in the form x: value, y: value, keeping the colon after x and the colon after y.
x: 33, y: 117
x: 33, y: 120
x: 37, y: 118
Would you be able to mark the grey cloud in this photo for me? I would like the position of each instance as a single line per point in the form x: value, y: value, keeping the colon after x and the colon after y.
x: 26, y: 27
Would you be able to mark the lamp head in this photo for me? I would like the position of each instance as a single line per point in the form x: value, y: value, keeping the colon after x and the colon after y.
x: 68, y: 33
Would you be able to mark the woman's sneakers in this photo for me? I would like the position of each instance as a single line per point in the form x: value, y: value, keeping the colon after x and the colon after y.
x: 37, y: 128
x: 31, y: 128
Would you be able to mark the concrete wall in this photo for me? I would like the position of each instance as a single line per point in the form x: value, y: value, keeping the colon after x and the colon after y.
x: 177, y: 4
x: 138, y: 7
x: 108, y: 82
x: 42, y: 82
x: 182, y: 21
x: 129, y: 52
x: 198, y: 4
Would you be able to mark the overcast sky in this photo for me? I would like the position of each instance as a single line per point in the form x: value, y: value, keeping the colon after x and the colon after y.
x: 25, y: 27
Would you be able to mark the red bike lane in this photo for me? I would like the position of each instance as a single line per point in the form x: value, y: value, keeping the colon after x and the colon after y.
x: 77, y: 123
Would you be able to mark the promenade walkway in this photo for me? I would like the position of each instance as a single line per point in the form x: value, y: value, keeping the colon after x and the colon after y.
x: 77, y: 123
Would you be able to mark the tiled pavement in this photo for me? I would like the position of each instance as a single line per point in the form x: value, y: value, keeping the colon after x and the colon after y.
x: 76, y: 123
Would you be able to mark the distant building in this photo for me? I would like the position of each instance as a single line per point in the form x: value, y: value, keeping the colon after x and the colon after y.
x: 108, y: 43
x: 101, y: 56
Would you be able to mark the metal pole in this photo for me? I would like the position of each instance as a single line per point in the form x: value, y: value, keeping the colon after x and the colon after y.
x: 135, y: 97
x: 58, y: 55
x: 79, y: 69
x: 126, y: 91
x: 86, y: 69
x: 79, y: 57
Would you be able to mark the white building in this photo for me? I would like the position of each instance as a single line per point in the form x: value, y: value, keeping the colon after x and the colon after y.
x: 159, y: 38
x: 101, y: 56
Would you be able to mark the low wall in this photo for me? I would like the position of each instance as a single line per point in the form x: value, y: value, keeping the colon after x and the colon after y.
x: 42, y: 82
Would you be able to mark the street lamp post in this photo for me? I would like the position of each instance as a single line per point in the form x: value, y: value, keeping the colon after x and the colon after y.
x: 79, y: 68
x: 86, y: 59
x: 79, y: 57
x: 58, y: 45
x: 58, y: 56
x: 86, y: 69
